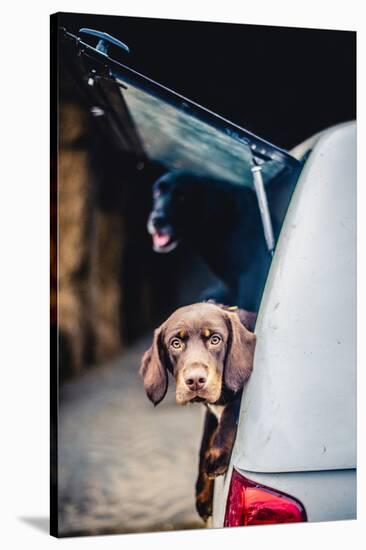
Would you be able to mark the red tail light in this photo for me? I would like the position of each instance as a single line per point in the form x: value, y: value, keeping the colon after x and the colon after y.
x: 249, y: 503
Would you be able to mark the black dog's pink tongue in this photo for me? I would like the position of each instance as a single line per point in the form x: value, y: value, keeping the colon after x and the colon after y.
x: 160, y: 239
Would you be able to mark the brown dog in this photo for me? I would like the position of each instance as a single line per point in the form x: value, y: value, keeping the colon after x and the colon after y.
x: 209, y: 351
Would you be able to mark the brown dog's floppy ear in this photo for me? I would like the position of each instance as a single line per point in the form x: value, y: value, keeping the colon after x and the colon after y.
x: 240, y: 354
x: 153, y: 370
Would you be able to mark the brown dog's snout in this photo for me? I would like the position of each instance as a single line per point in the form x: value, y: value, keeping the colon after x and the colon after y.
x: 195, y: 377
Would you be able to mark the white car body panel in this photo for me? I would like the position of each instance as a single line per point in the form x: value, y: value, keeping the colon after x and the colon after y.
x: 299, y: 408
x: 298, y: 411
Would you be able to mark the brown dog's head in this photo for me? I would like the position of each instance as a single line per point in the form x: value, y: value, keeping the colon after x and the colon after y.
x: 205, y: 347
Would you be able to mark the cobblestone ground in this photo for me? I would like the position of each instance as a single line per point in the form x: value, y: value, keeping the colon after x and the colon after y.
x: 125, y: 466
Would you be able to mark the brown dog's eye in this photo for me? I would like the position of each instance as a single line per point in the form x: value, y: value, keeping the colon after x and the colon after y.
x: 176, y: 343
x: 215, y: 339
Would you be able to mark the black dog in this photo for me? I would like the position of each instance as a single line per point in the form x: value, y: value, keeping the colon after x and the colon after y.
x: 221, y: 220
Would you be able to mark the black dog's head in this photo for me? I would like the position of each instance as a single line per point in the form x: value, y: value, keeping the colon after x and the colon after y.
x: 175, y: 201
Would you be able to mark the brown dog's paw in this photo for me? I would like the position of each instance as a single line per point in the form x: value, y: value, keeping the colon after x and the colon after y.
x: 204, y: 505
x: 216, y: 462
x: 204, y: 496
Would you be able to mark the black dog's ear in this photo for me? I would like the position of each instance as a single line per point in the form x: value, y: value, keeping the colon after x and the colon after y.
x: 239, y: 355
x: 153, y: 369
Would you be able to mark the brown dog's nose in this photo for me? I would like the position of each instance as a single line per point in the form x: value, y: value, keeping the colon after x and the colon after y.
x: 195, y: 378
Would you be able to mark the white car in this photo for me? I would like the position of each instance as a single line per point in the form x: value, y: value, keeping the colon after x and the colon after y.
x: 294, y: 457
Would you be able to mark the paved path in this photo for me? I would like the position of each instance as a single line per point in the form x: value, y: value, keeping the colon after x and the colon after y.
x: 125, y: 466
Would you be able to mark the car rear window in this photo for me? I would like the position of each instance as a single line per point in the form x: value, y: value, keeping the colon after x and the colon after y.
x: 181, y: 140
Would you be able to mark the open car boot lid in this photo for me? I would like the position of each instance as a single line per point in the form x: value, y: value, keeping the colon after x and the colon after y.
x: 155, y: 122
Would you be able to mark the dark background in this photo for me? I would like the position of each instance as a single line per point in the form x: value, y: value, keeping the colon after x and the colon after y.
x: 284, y: 84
